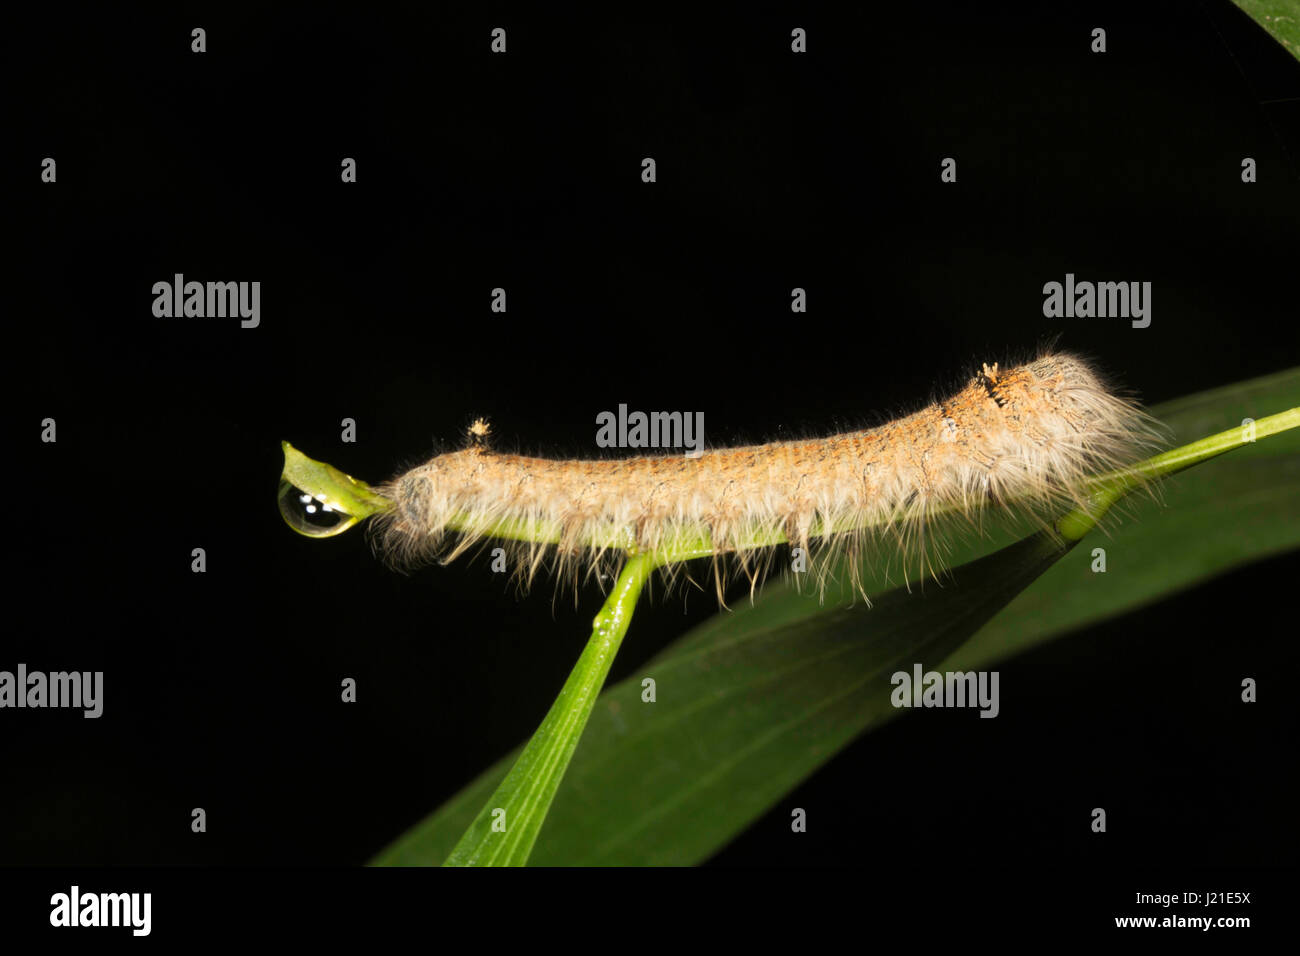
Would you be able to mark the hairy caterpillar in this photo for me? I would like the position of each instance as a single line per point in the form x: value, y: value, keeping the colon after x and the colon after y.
x: 1022, y: 439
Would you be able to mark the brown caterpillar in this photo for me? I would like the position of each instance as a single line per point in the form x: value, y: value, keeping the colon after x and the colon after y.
x: 1021, y: 440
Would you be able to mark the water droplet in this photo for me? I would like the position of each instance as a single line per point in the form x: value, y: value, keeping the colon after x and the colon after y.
x: 313, y: 515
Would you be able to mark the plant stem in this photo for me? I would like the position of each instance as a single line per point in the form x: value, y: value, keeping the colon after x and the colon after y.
x: 506, y: 828
x: 1108, y: 489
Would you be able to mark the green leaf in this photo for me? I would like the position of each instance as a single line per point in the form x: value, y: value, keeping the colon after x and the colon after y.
x: 353, y: 500
x: 506, y: 827
x: 816, y: 675
x: 752, y: 702
x: 1281, y: 18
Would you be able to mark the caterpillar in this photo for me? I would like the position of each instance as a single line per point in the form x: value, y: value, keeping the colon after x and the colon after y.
x: 1022, y: 440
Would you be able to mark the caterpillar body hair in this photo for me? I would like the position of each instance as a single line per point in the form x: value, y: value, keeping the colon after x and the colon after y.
x: 1021, y: 440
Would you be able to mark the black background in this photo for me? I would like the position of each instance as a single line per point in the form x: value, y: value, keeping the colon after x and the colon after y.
x: 523, y: 171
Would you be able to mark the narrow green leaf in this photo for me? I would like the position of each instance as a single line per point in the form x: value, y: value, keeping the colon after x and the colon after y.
x: 321, y: 485
x: 506, y: 827
x: 828, y: 679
